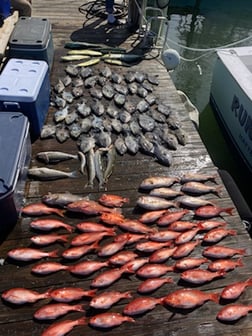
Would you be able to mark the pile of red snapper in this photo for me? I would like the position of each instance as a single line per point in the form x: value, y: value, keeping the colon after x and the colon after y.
x: 139, y: 247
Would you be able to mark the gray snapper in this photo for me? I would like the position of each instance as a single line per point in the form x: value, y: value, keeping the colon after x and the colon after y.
x: 48, y: 174
x: 55, y: 156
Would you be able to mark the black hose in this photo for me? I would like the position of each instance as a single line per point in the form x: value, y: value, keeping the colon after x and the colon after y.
x: 98, y: 8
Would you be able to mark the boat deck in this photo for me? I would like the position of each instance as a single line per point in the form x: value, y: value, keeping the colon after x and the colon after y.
x: 129, y: 171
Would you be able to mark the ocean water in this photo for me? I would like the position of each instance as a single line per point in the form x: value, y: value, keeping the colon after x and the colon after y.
x: 196, y: 30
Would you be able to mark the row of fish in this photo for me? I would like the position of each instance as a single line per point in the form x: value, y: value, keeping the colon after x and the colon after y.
x: 98, y: 163
x: 188, y: 193
x: 98, y: 108
x: 140, y: 247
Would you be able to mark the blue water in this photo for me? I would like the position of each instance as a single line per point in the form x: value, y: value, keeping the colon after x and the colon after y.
x: 209, y: 25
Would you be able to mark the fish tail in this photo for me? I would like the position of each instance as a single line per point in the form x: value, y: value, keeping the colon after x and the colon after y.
x: 169, y: 280
x: 90, y: 184
x: 201, y: 226
x: 229, y: 211
x: 218, y: 190
x: 96, y: 245
x: 241, y: 251
x: 81, y: 321
x: 74, y: 174
x: 102, y: 186
x: 64, y: 238
x: 240, y: 263
x: 47, y: 294
x: 111, y: 231
x: 222, y: 273
x: 69, y: 228
x: 232, y: 232
x: 116, y: 210
x: 79, y: 307
x: 60, y: 212
x: 249, y: 282
x: 127, y: 295
x: 213, y: 178
x: 215, y: 297
x: 92, y: 292
x: 54, y: 254
x: 127, y: 268
x: 160, y: 301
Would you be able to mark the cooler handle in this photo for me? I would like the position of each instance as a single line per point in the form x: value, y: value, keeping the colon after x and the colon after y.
x: 11, y: 106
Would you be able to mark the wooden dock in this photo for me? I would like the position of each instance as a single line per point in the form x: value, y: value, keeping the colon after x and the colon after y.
x: 129, y: 171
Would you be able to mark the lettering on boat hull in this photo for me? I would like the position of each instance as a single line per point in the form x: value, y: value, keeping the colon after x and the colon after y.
x: 244, y: 121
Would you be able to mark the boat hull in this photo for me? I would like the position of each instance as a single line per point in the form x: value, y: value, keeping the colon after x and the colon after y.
x: 231, y: 97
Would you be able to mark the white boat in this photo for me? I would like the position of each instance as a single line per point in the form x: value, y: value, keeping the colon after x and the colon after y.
x: 231, y: 97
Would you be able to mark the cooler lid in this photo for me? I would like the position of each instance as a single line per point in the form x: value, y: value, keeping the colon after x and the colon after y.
x: 21, y: 80
x: 13, y: 130
x: 30, y: 33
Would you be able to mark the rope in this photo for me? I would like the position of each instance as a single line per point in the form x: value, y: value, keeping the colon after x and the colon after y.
x: 206, y: 51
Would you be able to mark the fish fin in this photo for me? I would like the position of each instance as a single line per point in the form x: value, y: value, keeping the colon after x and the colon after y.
x: 128, y: 295
x: 48, y: 293
x: 249, y: 282
x: 215, y: 297
x: 218, y: 190
x: 102, y: 186
x: 112, y: 232
x: 69, y: 228
x: 60, y: 212
x: 80, y: 307
x: 54, y: 254
x: 64, y: 238
x: 214, y: 177
x: 96, y: 246
x: 92, y: 292
x: 242, y: 251
x: 89, y: 185
x: 128, y: 269
x: 239, y: 262
x: 116, y: 210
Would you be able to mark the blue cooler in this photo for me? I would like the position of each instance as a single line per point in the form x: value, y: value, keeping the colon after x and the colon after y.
x: 15, y: 153
x: 25, y: 87
x: 32, y: 39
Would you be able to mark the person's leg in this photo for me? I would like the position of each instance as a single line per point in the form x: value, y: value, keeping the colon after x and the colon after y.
x: 22, y: 6
x: 110, y: 6
x: 110, y: 11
